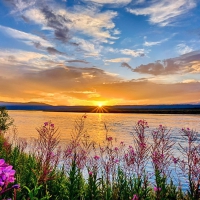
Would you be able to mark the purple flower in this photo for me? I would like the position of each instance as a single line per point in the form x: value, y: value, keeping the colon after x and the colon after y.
x: 16, y: 186
x: 6, y: 174
x: 2, y: 162
x: 46, y: 123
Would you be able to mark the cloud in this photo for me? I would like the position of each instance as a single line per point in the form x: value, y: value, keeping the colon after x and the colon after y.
x: 50, y: 50
x: 13, y: 61
x: 187, y: 63
x: 146, y: 92
x: 129, y: 52
x: 126, y: 65
x: 77, y: 61
x: 118, y: 2
x: 183, y: 49
x: 164, y: 12
x: 27, y: 38
x: 46, y: 84
x: 20, y: 5
x: 190, y: 81
x: 134, y: 53
x: 118, y: 60
x: 72, y: 85
x: 89, y: 48
x: 149, y: 44
x: 63, y: 22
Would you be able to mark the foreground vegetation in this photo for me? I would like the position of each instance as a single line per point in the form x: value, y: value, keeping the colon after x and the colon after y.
x: 84, y: 170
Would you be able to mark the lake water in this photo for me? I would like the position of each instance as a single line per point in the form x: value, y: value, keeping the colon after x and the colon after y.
x: 120, y: 126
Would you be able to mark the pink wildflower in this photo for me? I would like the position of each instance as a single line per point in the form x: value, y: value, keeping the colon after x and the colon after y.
x: 96, y: 157
x: 116, y: 149
x: 116, y: 160
x: 143, y: 145
x: 135, y: 197
x: 157, y: 189
x: 109, y: 139
x: 90, y: 173
x: 46, y: 123
x: 175, y: 160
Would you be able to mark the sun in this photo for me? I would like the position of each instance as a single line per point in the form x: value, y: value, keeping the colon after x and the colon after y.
x: 100, y: 107
x: 100, y: 104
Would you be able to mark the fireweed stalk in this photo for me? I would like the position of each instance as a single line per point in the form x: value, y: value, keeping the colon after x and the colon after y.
x: 161, y: 152
x: 141, y: 147
x: 190, y: 164
x: 135, y: 160
x: 79, y: 147
x: 48, y: 152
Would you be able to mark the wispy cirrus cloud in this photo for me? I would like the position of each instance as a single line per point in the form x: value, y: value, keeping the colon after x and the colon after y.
x: 115, y: 2
x: 118, y: 60
x: 133, y: 53
x: 31, y: 40
x: 183, y: 49
x: 27, y: 38
x: 149, y: 44
x: 129, y: 52
x: 164, y: 12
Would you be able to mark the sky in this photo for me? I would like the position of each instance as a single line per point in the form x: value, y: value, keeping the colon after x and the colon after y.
x: 91, y: 52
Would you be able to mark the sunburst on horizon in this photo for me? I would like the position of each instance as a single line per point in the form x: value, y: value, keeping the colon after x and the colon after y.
x: 100, y: 107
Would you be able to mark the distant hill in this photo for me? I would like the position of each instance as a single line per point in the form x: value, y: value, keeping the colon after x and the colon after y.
x: 2, y: 103
x: 165, y: 109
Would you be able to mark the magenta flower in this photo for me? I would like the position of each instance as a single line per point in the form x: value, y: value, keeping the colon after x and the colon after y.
x: 6, y: 175
x: 143, y: 145
x: 52, y: 125
x: 157, y: 189
x: 90, y: 173
x: 116, y: 160
x: 175, y: 160
x: 135, y: 197
x: 46, y: 123
x: 109, y: 139
x: 96, y: 157
x: 116, y: 149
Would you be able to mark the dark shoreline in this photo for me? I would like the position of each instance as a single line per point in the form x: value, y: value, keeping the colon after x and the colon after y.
x: 148, y: 109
